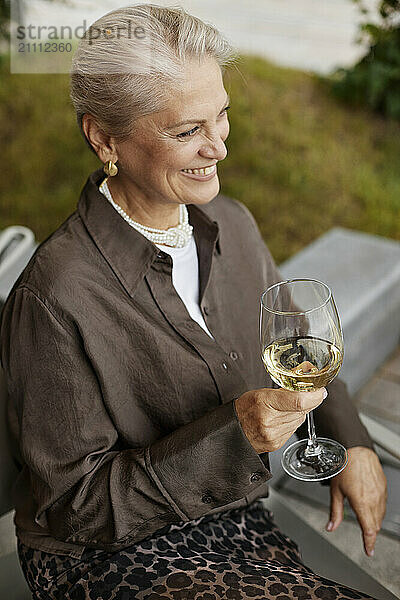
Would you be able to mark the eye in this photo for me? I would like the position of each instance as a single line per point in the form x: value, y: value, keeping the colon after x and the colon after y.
x: 193, y: 131
x: 188, y: 133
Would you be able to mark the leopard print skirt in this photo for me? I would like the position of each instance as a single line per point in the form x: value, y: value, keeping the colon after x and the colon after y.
x: 239, y: 554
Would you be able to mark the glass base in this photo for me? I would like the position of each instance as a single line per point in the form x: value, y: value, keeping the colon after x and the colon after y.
x: 329, y: 460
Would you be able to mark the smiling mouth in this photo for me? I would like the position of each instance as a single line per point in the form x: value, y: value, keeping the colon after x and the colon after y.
x: 205, y: 171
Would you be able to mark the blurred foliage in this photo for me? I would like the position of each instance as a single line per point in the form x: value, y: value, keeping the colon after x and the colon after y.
x: 300, y: 161
x: 4, y: 19
x: 375, y: 80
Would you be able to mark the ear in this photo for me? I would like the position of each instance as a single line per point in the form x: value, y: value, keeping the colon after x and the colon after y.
x: 102, y: 144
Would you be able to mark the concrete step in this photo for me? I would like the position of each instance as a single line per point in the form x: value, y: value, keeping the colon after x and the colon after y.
x: 12, y: 582
x: 338, y: 555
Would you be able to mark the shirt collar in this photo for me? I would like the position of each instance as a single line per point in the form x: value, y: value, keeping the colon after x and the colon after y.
x: 129, y: 254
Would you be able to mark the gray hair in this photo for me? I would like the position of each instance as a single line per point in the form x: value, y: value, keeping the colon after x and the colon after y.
x: 130, y: 58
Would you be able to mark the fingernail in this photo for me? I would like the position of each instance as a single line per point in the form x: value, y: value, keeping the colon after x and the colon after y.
x: 324, y: 394
x: 329, y: 527
x: 371, y: 552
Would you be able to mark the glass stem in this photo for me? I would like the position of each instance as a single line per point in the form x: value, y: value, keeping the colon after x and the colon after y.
x: 312, y: 445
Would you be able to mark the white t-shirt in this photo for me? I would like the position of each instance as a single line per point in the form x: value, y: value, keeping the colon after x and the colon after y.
x: 185, y: 278
x: 185, y: 274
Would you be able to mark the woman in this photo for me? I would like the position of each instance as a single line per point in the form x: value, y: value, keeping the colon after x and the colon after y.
x: 130, y: 347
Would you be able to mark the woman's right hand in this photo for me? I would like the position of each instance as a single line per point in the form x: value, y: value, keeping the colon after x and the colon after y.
x: 269, y: 416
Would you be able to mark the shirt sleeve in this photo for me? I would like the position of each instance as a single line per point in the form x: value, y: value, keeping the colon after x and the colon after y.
x: 88, y: 488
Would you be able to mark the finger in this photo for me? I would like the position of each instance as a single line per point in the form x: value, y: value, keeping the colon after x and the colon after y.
x: 369, y: 527
x: 287, y: 420
x: 292, y: 427
x: 336, y: 510
x: 283, y: 435
x: 369, y: 539
x: 307, y: 401
x: 286, y: 401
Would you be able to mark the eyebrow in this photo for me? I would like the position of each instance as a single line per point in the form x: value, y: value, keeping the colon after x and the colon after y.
x: 188, y: 121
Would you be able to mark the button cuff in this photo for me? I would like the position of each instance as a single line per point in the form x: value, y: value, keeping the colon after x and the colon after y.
x: 207, y: 499
x: 255, y: 477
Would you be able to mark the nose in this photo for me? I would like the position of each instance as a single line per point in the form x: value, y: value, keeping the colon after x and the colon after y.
x: 214, y: 147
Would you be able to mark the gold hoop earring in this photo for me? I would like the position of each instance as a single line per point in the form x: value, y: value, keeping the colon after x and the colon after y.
x: 110, y: 168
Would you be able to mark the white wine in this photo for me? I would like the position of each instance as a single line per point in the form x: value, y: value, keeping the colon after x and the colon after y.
x: 302, y: 364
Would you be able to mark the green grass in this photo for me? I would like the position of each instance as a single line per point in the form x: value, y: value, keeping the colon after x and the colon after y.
x: 300, y: 161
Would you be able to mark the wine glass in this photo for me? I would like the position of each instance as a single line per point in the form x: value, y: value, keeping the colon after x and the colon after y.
x: 302, y: 350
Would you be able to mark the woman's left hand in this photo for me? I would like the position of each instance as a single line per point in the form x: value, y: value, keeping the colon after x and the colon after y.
x: 363, y: 483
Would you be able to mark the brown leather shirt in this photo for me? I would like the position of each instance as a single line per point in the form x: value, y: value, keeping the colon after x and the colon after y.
x: 121, y: 406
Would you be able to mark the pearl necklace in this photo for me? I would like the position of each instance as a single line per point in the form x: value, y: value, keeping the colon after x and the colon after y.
x: 176, y: 237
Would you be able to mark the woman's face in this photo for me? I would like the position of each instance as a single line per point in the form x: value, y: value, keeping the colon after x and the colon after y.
x: 163, y: 150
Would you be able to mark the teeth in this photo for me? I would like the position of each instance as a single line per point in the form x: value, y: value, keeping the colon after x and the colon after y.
x: 206, y: 171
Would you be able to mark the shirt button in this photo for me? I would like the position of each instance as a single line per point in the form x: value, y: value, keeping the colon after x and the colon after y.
x: 225, y: 366
x: 233, y: 355
x: 207, y: 499
x: 255, y: 477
